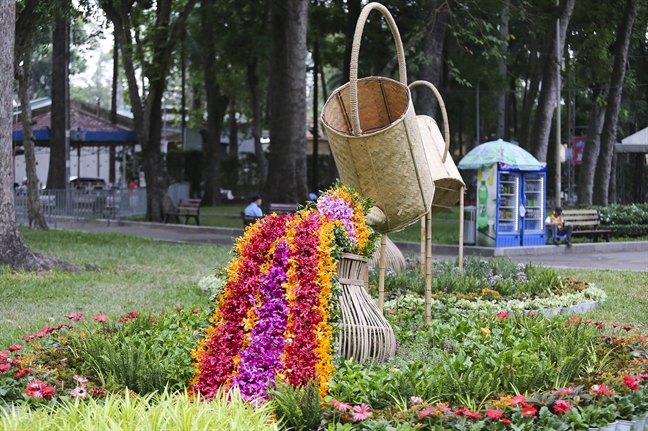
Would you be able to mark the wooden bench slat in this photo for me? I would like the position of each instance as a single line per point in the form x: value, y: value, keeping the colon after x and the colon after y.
x: 186, y: 208
x: 569, y: 212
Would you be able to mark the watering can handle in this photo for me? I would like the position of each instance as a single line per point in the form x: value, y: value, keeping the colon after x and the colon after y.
x: 446, y: 126
x: 355, y: 51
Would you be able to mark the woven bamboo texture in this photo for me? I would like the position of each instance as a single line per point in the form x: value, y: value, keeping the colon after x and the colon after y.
x: 364, y: 332
x: 375, y: 139
x: 447, y: 180
x: 394, y: 257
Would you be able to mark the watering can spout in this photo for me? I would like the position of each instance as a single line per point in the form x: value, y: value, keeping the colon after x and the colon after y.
x: 376, y: 217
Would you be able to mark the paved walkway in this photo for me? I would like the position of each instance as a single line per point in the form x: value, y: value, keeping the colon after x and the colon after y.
x: 614, y: 255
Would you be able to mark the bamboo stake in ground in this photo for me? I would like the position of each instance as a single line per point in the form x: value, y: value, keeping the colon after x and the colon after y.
x: 461, y: 226
x: 381, y: 277
x: 422, y: 257
x: 428, y: 267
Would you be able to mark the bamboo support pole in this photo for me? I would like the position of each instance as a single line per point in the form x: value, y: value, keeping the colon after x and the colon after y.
x: 422, y: 257
x: 381, y: 278
x: 461, y: 226
x: 428, y: 268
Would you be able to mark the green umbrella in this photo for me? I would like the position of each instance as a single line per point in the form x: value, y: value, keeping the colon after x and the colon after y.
x: 500, y: 151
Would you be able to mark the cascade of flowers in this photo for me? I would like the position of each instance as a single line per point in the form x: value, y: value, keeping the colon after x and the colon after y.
x: 275, y: 316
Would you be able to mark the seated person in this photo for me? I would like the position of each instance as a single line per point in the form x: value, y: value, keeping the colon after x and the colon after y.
x: 557, y: 225
x: 254, y: 209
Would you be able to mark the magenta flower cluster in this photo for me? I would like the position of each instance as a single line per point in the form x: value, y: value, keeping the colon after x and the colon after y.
x: 262, y: 359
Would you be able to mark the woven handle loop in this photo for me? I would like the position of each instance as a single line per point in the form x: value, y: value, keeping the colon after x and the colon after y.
x: 355, y: 50
x: 446, y: 127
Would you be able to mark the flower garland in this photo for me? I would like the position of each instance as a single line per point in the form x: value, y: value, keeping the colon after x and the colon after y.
x: 274, y: 317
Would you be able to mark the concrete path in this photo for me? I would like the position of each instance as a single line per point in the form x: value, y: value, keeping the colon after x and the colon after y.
x: 614, y: 255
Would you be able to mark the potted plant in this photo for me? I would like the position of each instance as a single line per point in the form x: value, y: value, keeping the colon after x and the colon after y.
x: 624, y: 412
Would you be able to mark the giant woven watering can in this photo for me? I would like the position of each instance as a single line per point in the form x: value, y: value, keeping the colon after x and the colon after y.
x: 374, y: 136
x: 447, y: 179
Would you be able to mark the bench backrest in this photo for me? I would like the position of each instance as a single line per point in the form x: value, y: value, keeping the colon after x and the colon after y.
x: 189, y: 203
x: 581, y: 217
x: 282, y: 208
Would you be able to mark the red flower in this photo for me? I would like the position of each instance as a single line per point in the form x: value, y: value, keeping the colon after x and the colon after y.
x: 15, y: 347
x: 602, y: 390
x: 628, y: 328
x: 494, y: 414
x: 100, y: 318
x: 132, y: 314
x: 196, y: 311
x: 561, y: 406
x: 518, y: 399
x: 4, y: 367
x: 502, y: 315
x: 506, y: 421
x: 21, y: 373
x: 528, y: 411
x: 75, y: 316
x: 631, y: 382
x: 599, y: 325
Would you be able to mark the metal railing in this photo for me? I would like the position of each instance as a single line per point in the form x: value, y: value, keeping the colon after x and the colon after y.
x: 85, y: 204
x: 178, y: 191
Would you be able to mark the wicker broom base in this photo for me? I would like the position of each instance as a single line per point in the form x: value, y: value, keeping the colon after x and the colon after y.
x: 364, y: 331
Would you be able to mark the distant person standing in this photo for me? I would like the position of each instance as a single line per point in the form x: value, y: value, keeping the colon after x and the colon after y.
x: 557, y: 225
x: 254, y: 209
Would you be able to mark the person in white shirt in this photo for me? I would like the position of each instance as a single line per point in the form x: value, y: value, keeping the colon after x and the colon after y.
x: 254, y: 209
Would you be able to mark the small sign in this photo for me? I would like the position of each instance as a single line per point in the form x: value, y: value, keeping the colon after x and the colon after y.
x: 578, y: 145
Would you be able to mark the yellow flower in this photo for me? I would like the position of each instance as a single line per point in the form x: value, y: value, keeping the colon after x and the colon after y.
x: 485, y: 331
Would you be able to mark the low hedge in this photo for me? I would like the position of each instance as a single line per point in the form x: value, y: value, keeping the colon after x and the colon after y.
x: 624, y: 220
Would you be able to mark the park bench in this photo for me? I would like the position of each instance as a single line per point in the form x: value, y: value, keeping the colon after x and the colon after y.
x: 186, y: 208
x: 274, y: 208
x: 585, y: 222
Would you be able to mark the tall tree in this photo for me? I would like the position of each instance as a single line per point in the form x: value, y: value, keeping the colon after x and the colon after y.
x: 28, y: 22
x: 592, y: 146
x: 539, y: 142
x: 609, y: 133
x: 147, y: 34
x: 287, y: 179
x: 60, y: 61
x: 14, y: 252
x: 500, y: 129
x: 216, y: 107
x: 432, y: 67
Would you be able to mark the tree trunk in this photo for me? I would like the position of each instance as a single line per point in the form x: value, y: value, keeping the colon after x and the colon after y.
x: 112, y: 177
x: 287, y: 170
x: 354, y: 8
x: 500, y: 130
x: 216, y: 108
x: 233, y: 144
x: 431, y: 70
x: 592, y: 146
x: 539, y: 141
x: 608, y: 135
x: 257, y: 114
x: 14, y: 252
x: 147, y: 115
x: 56, y: 174
x: 34, y: 207
x: 612, y: 189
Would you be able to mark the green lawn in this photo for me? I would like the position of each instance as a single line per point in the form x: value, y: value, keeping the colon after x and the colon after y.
x: 149, y: 276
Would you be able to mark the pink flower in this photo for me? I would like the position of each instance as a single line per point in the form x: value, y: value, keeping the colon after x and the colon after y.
x: 81, y: 380
x: 75, y: 316
x: 517, y: 399
x: 628, y: 328
x: 97, y: 391
x: 631, y: 382
x: 602, y: 390
x: 361, y: 412
x: 4, y: 367
x: 502, y: 315
x: 416, y: 400
x: 562, y: 406
x: 178, y: 309
x: 100, y: 318
x: 132, y: 314
x: 196, y: 311
x: 38, y: 389
x: 15, y: 347
x: 506, y: 421
x: 338, y: 405
x: 79, y: 392
x: 599, y: 325
x: 494, y: 414
x: 615, y: 325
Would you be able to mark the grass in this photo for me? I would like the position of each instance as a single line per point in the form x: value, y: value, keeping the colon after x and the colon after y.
x: 149, y: 276
x: 136, y: 275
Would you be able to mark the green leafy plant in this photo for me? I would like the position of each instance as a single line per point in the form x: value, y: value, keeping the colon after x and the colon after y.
x: 298, y: 408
